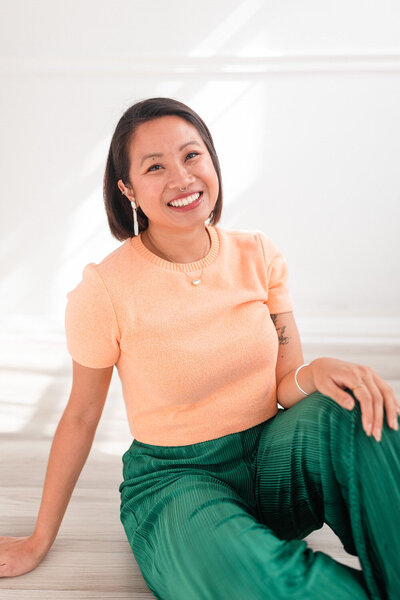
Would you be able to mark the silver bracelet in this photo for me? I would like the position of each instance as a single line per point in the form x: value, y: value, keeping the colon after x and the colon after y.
x: 295, y: 378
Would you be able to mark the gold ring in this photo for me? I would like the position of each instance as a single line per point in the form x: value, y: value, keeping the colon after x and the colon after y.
x: 359, y: 385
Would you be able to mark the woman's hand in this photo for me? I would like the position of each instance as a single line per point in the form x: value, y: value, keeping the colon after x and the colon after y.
x: 18, y: 555
x: 333, y: 376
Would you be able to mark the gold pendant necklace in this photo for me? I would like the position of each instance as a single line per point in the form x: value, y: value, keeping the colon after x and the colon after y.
x: 196, y: 281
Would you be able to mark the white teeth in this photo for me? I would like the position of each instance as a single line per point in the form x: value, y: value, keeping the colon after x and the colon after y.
x: 185, y: 201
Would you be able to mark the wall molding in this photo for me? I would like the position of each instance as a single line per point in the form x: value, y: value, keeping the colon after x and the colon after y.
x: 346, y: 331
x: 226, y: 67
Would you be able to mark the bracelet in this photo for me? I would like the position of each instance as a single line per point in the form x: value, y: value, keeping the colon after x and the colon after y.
x: 295, y: 378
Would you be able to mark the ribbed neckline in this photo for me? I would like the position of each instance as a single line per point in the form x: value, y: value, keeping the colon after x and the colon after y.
x: 208, y: 259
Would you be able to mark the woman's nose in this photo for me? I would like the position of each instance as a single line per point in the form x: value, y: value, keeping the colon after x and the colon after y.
x: 180, y: 176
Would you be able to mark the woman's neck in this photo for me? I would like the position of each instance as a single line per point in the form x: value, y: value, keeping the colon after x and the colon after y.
x: 185, y: 247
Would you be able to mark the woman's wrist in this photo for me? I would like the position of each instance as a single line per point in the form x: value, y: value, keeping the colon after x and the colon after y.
x: 297, y: 381
x: 305, y: 378
x: 289, y: 392
x: 41, y: 544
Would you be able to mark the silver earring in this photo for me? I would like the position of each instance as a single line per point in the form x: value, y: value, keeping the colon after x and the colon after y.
x: 135, y: 221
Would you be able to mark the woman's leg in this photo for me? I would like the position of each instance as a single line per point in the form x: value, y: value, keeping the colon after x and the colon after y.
x: 316, y: 464
x: 195, y: 537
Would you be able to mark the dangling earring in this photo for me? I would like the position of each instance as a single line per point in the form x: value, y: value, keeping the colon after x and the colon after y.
x: 135, y: 221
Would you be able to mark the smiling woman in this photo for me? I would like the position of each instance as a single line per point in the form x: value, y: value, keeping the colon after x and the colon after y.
x: 219, y: 484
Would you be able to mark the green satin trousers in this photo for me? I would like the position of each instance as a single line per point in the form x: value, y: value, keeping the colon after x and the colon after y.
x: 224, y: 519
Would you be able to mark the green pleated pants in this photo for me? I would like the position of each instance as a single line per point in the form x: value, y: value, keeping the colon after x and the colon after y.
x: 224, y: 519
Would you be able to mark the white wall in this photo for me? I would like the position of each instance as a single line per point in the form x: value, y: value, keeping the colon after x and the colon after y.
x: 302, y: 100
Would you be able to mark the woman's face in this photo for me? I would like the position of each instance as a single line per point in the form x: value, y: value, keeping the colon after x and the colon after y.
x: 183, y: 162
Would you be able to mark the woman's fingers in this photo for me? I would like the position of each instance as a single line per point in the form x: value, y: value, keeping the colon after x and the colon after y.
x: 345, y: 382
x: 367, y: 405
x: 389, y: 400
x: 378, y: 406
x: 392, y: 407
x: 375, y: 397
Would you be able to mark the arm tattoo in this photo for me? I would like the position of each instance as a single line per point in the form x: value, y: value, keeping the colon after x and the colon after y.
x: 282, y: 338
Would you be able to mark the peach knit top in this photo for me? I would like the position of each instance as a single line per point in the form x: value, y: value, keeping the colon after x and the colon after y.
x: 196, y: 362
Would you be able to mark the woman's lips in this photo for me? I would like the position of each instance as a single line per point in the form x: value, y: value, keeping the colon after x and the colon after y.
x: 188, y: 206
x: 183, y: 196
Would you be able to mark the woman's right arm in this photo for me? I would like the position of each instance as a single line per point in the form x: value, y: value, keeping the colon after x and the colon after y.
x: 69, y: 450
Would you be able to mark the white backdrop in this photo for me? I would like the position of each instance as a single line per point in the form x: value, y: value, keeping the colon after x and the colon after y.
x: 302, y: 100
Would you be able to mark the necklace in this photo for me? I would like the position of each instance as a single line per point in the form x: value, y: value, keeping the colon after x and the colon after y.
x: 194, y: 281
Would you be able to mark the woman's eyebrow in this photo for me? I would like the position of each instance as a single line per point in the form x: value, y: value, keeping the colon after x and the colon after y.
x: 160, y: 153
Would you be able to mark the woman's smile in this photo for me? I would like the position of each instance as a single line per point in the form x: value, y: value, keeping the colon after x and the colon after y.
x: 187, y: 203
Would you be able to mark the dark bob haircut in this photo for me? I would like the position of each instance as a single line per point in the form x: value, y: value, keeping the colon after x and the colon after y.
x: 118, y: 207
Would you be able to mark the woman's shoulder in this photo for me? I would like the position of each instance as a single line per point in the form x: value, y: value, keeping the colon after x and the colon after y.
x: 104, y: 269
x: 114, y: 260
x: 118, y: 255
x: 253, y: 241
x: 244, y: 237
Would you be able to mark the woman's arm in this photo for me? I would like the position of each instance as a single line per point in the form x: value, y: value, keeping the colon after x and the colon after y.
x: 69, y: 450
x: 332, y: 377
x: 290, y: 356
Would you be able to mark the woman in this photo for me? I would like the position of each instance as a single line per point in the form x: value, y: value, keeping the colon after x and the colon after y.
x: 219, y: 484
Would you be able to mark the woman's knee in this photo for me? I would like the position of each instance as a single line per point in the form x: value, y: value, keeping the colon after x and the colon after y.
x: 326, y: 424
x: 320, y: 406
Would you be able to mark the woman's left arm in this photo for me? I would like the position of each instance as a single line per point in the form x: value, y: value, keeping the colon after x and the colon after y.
x: 331, y: 377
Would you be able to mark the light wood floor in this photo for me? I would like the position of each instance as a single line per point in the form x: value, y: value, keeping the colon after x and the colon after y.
x: 91, y: 557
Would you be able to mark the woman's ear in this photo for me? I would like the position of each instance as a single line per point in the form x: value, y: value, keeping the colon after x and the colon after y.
x: 125, y: 190
x: 121, y: 186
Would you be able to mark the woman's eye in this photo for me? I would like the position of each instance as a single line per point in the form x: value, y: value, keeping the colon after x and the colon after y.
x: 157, y: 165
x: 150, y: 168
